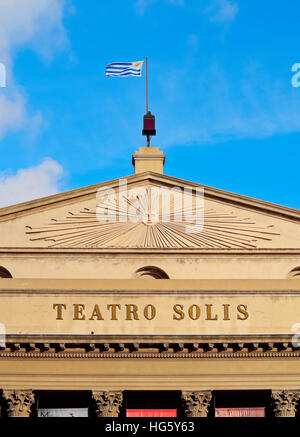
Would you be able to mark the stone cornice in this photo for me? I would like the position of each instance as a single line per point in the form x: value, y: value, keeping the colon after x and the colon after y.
x: 85, y: 193
x: 192, y: 340
x: 161, y: 286
x: 138, y: 251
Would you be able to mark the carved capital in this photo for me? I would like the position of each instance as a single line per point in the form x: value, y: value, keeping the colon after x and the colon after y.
x: 18, y: 402
x: 107, y: 403
x: 285, y: 403
x: 196, y: 403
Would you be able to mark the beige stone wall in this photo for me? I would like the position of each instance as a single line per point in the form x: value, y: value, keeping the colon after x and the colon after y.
x: 151, y: 374
x: 123, y: 266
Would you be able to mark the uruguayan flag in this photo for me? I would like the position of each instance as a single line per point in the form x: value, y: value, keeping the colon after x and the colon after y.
x: 124, y: 69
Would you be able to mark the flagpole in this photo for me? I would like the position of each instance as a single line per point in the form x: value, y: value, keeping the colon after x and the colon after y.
x: 149, y: 119
x: 147, y: 102
x: 147, y: 97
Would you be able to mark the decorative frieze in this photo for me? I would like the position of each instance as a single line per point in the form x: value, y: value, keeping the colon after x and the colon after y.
x: 285, y: 403
x: 176, y: 349
x: 18, y: 402
x: 147, y: 354
x: 107, y: 403
x: 196, y: 403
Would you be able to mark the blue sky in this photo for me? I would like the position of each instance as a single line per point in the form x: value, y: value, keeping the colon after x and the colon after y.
x: 220, y: 86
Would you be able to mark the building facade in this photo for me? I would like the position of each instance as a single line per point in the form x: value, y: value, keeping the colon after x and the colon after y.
x: 149, y: 295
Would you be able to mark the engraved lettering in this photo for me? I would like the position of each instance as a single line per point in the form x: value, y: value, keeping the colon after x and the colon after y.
x: 96, y: 313
x: 194, y: 312
x: 208, y: 312
x: 131, y: 310
x: 226, y: 311
x: 149, y: 312
x: 178, y: 310
x: 78, y: 311
x: 114, y: 308
x: 60, y: 307
x: 242, y: 309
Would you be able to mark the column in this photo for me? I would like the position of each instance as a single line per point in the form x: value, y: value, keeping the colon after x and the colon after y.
x: 285, y: 402
x: 107, y: 403
x: 18, y: 402
x: 196, y: 403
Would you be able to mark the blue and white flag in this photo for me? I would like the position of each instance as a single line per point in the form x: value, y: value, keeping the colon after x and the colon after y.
x: 124, y: 69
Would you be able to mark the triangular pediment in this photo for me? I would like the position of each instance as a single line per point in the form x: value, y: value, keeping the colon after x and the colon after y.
x: 149, y: 211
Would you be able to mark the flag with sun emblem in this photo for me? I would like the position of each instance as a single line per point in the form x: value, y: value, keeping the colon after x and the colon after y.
x: 124, y: 69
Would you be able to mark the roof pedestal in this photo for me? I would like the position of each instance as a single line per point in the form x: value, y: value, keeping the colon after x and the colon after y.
x: 148, y: 159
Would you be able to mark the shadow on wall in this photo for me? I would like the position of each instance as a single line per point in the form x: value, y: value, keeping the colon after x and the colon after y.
x: 150, y: 272
x: 294, y: 273
x: 4, y: 273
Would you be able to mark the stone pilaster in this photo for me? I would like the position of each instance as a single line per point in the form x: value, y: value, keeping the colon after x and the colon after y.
x: 107, y: 403
x: 196, y: 403
x: 285, y: 403
x: 18, y: 402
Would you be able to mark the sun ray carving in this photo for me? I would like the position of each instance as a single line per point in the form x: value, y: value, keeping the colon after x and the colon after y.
x: 142, y: 222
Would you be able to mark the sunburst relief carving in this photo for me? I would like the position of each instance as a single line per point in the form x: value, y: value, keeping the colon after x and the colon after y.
x: 139, y: 225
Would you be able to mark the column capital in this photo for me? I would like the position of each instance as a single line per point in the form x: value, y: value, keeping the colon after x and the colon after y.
x: 107, y: 403
x: 196, y: 403
x: 285, y: 402
x: 18, y: 402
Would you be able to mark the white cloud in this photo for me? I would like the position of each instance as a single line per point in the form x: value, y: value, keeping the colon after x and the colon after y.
x: 222, y: 10
x: 34, y: 23
x: 14, y: 116
x: 28, y: 21
x: 30, y: 183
